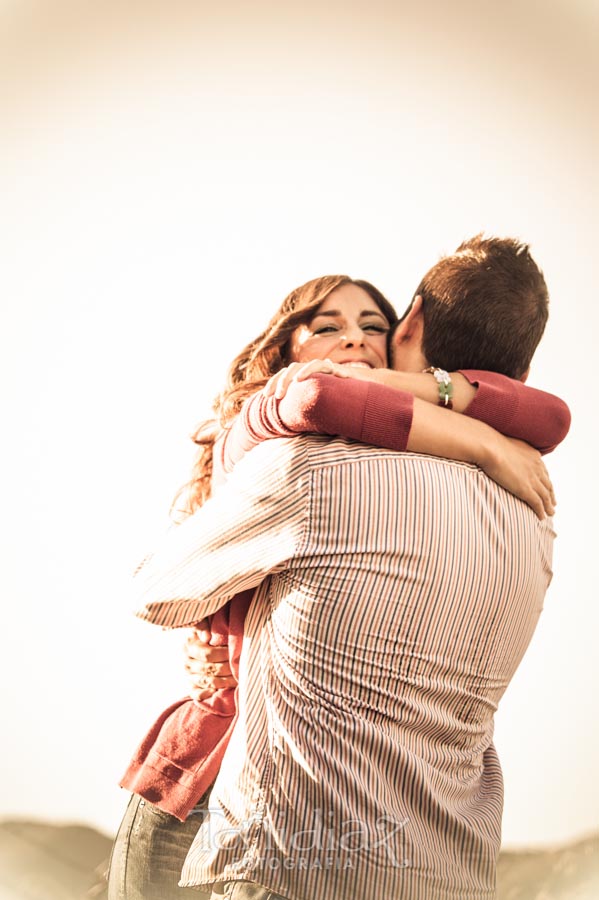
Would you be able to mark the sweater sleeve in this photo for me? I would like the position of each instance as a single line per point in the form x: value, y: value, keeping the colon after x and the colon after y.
x: 323, y: 404
x: 518, y: 411
x: 380, y: 415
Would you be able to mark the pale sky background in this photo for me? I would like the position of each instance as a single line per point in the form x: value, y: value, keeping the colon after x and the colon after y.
x: 167, y: 174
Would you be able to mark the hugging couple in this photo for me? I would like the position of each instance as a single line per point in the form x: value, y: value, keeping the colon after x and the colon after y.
x: 363, y: 551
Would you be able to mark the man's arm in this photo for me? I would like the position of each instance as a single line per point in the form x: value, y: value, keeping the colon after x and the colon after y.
x: 248, y: 530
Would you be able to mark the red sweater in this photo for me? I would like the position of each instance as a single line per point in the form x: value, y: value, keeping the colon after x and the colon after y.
x: 180, y: 756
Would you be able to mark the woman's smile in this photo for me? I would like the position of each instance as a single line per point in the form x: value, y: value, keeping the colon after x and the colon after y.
x: 348, y: 328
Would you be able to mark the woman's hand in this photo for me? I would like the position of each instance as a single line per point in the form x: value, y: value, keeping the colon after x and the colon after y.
x: 207, y: 666
x: 519, y: 468
x: 514, y: 465
x: 299, y: 371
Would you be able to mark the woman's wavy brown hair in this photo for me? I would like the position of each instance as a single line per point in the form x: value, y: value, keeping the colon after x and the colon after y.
x: 251, y: 369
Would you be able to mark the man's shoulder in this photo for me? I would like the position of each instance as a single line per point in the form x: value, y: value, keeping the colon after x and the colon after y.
x: 276, y: 460
x: 291, y: 458
x: 312, y: 450
x: 288, y: 458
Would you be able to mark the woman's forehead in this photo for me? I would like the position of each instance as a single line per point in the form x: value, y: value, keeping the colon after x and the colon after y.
x: 349, y: 299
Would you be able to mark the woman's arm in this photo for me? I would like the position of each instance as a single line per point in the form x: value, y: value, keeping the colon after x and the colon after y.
x: 519, y: 411
x: 508, y: 405
x: 383, y: 416
x: 512, y: 463
x: 360, y: 410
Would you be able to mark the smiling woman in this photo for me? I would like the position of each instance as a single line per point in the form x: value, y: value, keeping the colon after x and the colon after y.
x: 291, y: 336
x: 333, y: 314
x: 348, y: 328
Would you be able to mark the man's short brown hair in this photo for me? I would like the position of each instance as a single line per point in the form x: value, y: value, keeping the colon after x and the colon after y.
x: 485, y: 307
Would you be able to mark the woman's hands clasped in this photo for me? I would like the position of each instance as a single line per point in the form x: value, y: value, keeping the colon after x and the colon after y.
x: 207, y: 666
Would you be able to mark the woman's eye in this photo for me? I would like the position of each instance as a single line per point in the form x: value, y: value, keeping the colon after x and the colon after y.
x: 376, y: 329
x: 325, y: 329
x: 367, y: 328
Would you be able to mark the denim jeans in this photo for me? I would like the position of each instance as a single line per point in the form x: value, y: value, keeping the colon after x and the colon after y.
x: 148, y: 856
x: 149, y: 852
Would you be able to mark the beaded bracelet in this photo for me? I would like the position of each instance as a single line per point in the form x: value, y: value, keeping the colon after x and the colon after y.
x: 443, y: 379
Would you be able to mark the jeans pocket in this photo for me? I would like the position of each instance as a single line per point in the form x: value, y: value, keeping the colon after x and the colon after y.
x: 248, y: 890
x: 150, y: 809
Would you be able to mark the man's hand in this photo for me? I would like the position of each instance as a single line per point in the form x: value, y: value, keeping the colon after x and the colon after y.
x: 207, y: 666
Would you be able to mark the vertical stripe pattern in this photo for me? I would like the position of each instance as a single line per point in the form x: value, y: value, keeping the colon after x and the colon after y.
x: 395, y: 611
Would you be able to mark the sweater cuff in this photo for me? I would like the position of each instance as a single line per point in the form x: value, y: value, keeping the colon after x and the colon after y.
x: 495, y: 403
x: 387, y: 417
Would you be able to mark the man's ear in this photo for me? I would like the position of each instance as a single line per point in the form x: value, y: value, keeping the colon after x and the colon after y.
x: 411, y: 325
x: 524, y: 376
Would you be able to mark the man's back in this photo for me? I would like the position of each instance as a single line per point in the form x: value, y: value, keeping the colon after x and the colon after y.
x: 363, y: 762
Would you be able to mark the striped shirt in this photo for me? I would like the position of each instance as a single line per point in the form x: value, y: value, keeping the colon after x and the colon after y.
x: 397, y: 594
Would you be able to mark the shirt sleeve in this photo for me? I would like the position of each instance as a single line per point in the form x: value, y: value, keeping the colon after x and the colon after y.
x: 322, y: 404
x: 250, y: 528
x: 519, y: 411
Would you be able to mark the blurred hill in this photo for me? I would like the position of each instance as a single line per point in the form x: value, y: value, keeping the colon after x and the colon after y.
x: 570, y: 872
x: 41, y: 861
x: 64, y: 862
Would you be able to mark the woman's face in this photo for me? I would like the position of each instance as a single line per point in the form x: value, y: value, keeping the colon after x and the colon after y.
x: 348, y: 327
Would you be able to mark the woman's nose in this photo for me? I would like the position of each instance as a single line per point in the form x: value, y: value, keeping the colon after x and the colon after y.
x: 352, y: 337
